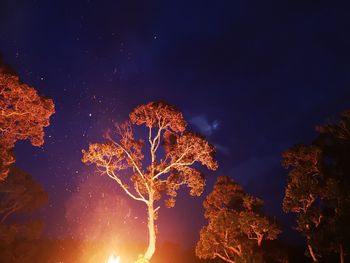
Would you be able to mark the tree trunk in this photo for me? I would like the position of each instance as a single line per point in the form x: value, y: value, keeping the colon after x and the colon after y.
x: 313, y: 256
x: 260, y: 239
x: 341, y: 253
x: 151, y: 231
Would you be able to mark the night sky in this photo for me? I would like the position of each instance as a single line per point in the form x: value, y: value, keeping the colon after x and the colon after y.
x: 255, y: 77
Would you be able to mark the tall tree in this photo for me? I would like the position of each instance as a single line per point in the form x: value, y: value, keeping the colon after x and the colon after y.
x: 167, y: 170
x: 236, y: 227
x: 303, y: 190
x: 23, y: 115
x: 19, y: 194
x: 318, y: 189
x: 334, y: 139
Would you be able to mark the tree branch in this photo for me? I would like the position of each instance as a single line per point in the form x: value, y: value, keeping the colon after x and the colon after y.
x: 129, y: 156
x: 124, y: 187
x: 177, y: 162
x: 139, y: 193
x: 11, y: 210
x: 13, y: 113
x: 237, y: 251
x: 224, y: 258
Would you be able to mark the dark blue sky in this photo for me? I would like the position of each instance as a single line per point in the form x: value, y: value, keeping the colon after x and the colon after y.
x: 254, y: 76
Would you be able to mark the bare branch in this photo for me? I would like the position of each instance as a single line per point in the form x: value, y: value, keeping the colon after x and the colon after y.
x: 139, y: 193
x: 124, y: 187
x: 224, y: 258
x: 235, y: 250
x: 128, y: 154
x: 177, y: 162
x: 3, y: 113
x: 157, y: 139
x: 10, y: 211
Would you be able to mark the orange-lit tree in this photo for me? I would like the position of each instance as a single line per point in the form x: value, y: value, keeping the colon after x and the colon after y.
x: 334, y: 139
x: 23, y: 115
x: 168, y: 168
x: 236, y: 227
x: 318, y: 189
x: 303, y: 190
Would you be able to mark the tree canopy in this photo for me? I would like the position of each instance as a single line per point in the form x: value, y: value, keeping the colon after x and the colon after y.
x: 23, y: 115
x: 236, y: 226
x: 318, y: 188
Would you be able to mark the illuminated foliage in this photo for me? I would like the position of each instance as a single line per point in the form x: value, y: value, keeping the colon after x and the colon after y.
x: 23, y: 115
x: 318, y: 189
x: 303, y: 189
x: 236, y: 227
x: 121, y: 157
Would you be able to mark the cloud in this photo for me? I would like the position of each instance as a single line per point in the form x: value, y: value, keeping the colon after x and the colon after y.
x: 222, y: 149
x: 205, y: 127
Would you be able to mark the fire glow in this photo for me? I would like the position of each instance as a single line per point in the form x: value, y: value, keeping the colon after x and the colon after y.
x: 113, y: 259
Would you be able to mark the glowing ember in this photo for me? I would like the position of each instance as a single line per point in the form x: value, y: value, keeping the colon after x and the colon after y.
x: 113, y: 259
